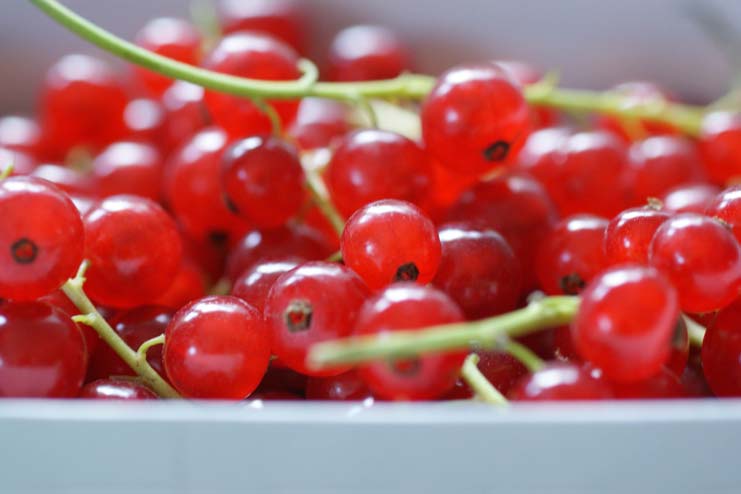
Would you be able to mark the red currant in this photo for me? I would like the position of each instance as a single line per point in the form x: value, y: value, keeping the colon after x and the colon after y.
x: 187, y: 286
x: 501, y: 369
x: 21, y: 134
x: 526, y: 75
x: 116, y: 389
x: 694, y: 198
x: 629, y: 234
x: 727, y: 207
x: 636, y: 93
x: 283, y: 19
x: 720, y: 144
x: 128, y: 168
x: 319, y: 122
x: 664, y: 385
x: 347, y: 386
x: 366, y: 53
x: 185, y: 112
x: 560, y: 382
x: 146, y: 122
x: 255, y: 283
x: 67, y: 179
x: 721, y: 352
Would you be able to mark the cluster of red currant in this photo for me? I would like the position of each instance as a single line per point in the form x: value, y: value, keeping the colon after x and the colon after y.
x: 566, y: 264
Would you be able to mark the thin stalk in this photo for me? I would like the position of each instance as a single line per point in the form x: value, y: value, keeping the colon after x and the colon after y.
x: 480, y: 385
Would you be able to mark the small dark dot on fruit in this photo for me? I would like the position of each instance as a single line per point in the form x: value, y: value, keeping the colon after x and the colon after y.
x: 572, y: 284
x: 496, y: 151
x: 406, y: 367
x: 230, y: 205
x: 297, y: 316
x: 218, y: 238
x: 407, y: 272
x: 24, y: 251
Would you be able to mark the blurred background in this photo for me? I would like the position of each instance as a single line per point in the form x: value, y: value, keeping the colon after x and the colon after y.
x: 593, y: 44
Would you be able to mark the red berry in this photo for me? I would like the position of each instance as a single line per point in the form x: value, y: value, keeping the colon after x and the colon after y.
x: 41, y: 238
x: 390, y: 240
x: 347, y: 386
x: 67, y: 179
x: 517, y: 207
x: 626, y: 321
x: 721, y: 352
x: 636, y: 93
x: 263, y: 180
x: 664, y: 385
x: 128, y: 168
x: 217, y: 348
x: 146, y: 122
x: 370, y: 165
x: 283, y: 19
x: 720, y: 145
x: 571, y: 255
x: 255, y: 56
x: 192, y: 185
x: 318, y: 122
x: 629, y: 235
x: 560, y: 382
x: 409, y: 306
x: 478, y: 270
x: 134, y: 326
x: 21, y: 134
x: 701, y: 258
x: 187, y: 286
x: 42, y: 352
x: 116, y: 389
x: 366, y: 53
x: 59, y: 300
x: 23, y: 164
x: 474, y: 119
x: 82, y: 104
x: 680, y: 349
x: 501, y: 369
x: 185, y: 112
x: 134, y: 250
x: 726, y: 207
x: 690, y: 198
x: 660, y: 163
x: 315, y: 302
x: 171, y: 38
x: 526, y: 74
x: 255, y: 283
x: 298, y: 242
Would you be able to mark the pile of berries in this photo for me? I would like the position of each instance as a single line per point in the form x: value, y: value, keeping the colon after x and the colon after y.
x: 171, y: 192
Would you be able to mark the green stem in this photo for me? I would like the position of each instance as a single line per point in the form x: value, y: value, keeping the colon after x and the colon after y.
x: 7, y: 171
x: 542, y: 313
x: 336, y: 257
x: 141, y: 353
x: 321, y: 198
x: 695, y: 331
x: 406, y: 86
x: 522, y: 353
x: 91, y: 317
x: 479, y: 383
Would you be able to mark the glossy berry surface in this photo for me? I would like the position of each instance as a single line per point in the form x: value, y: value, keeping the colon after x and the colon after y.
x: 185, y: 112
x: 65, y: 178
x: 721, y: 352
x: 693, y: 198
x: 116, y: 389
x: 501, y: 369
x: 369, y: 165
x: 366, y: 53
x: 560, y: 382
x: 720, y: 144
x: 664, y: 385
x: 42, y: 352
x: 255, y: 283
x: 263, y: 180
x: 255, y: 56
x: 41, y: 238
x: 134, y: 250
x: 347, y: 386
x: 146, y: 121
x: 626, y: 322
x: 478, y: 270
x: 22, y: 134
x: 188, y: 285
x: 315, y: 302
x: 726, y: 207
x: 172, y: 38
x: 636, y: 93
x: 571, y: 255
x: 128, y: 168
x: 388, y: 241
x: 216, y: 348
x: 474, y: 119
x: 283, y: 19
x: 628, y: 235
x: 701, y: 258
x: 319, y: 122
x: 409, y: 306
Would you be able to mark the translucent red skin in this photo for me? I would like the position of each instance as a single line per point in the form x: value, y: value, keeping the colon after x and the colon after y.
x: 560, y: 382
x: 701, y: 258
x: 283, y: 19
x: 292, y: 240
x: 410, y: 306
x: 185, y: 112
x: 626, y: 322
x: 36, y: 210
x: 720, y: 145
x: 517, y: 207
x: 255, y: 283
x: 721, y: 352
x: 370, y: 164
x: 347, y: 386
x: 658, y: 164
x: 385, y: 235
x: 187, y: 286
x: 664, y: 385
x: 255, y: 56
x: 366, y: 53
x: 21, y: 134
x: 42, y: 352
x: 263, y: 179
x: 469, y: 109
x: 128, y: 168
x: 501, y: 369
x: 573, y: 247
x: 334, y: 293
x: 726, y: 206
x: 172, y: 38
x: 69, y: 180
x: 81, y: 104
x: 217, y: 347
x: 693, y: 198
x: 23, y: 163
x: 116, y: 389
x: 525, y: 75
x: 58, y: 299
x: 146, y: 122
x: 628, y: 235
x: 134, y: 326
x: 478, y: 270
x: 319, y: 122
x: 680, y: 349
x: 637, y: 93
x: 192, y: 186
x: 134, y: 250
